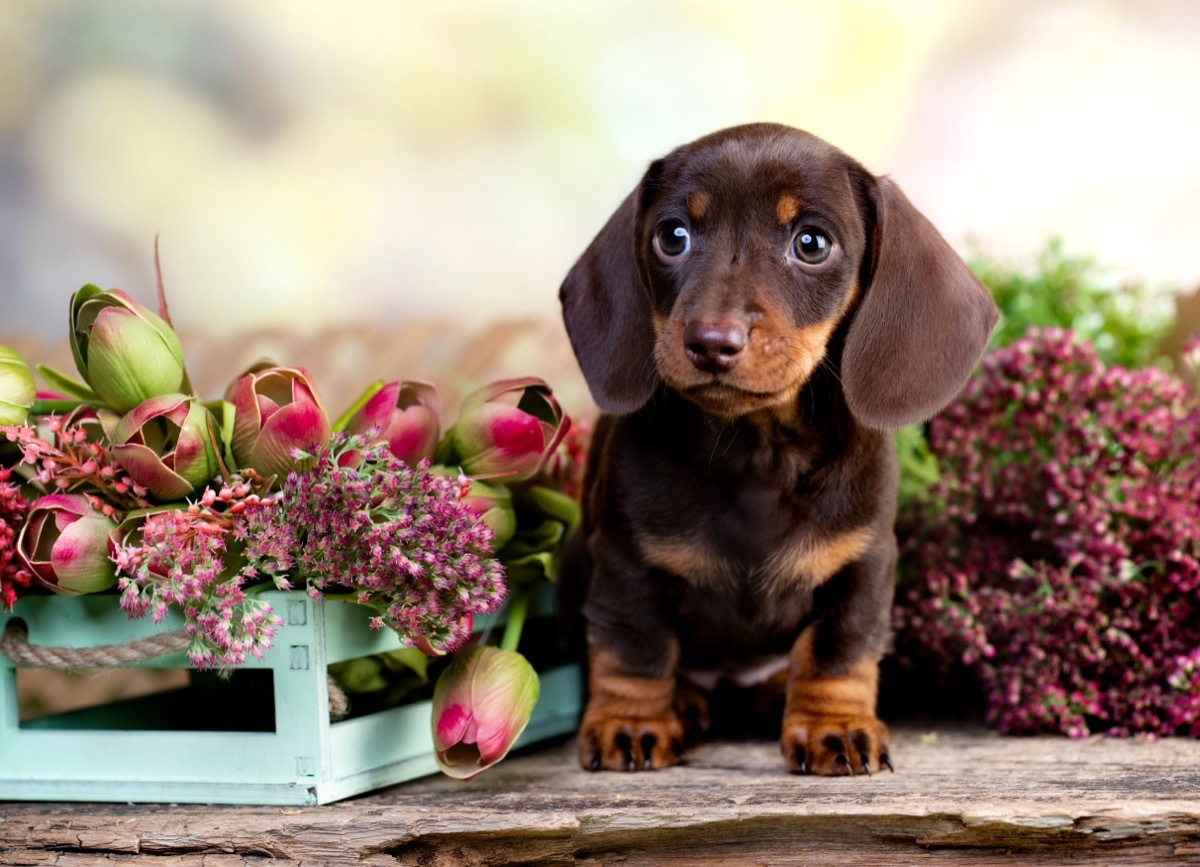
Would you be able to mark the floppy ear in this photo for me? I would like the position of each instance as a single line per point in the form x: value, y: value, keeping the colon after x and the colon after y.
x: 923, y: 322
x: 606, y: 308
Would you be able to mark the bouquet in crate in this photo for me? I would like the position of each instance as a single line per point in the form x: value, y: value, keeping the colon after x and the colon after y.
x: 129, y: 482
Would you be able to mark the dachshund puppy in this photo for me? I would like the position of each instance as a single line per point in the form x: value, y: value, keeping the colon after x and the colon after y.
x: 754, y: 321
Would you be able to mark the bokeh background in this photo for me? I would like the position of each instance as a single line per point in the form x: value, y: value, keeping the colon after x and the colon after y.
x: 378, y: 188
x: 311, y: 165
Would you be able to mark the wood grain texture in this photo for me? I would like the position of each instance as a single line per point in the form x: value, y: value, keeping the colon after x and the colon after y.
x: 965, y: 796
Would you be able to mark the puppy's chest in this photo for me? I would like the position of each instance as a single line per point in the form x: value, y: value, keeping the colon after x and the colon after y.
x: 758, y: 542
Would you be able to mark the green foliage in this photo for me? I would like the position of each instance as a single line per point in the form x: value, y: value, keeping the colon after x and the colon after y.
x: 1125, y: 322
x: 918, y: 466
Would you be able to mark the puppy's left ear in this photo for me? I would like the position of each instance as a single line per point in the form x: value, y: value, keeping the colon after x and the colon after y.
x: 923, y: 322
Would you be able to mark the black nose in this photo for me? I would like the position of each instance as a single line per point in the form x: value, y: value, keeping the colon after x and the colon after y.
x: 715, y: 344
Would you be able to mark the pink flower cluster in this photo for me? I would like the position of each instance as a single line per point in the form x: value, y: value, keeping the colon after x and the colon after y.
x: 398, y: 537
x: 180, y: 557
x: 77, y: 458
x: 13, y: 508
x: 1057, y: 560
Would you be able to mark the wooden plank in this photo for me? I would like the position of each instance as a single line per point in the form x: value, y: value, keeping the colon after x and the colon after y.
x: 959, y: 796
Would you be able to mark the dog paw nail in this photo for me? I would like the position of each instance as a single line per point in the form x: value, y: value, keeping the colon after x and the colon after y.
x: 845, y: 763
x: 648, y: 742
x: 866, y: 763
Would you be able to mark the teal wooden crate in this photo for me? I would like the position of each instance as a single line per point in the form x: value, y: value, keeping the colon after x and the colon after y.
x: 116, y: 752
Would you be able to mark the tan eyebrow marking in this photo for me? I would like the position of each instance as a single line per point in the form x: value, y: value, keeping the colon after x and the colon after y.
x: 697, y: 204
x: 787, y: 209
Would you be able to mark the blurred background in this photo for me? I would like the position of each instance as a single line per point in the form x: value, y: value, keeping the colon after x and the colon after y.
x: 374, y: 188
x: 319, y: 165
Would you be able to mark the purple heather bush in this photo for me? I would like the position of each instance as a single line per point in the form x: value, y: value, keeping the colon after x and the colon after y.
x: 1056, y: 561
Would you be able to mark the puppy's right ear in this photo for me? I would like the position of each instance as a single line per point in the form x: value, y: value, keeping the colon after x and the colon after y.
x: 606, y: 307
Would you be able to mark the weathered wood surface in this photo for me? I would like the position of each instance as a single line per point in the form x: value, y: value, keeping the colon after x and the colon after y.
x: 964, y: 796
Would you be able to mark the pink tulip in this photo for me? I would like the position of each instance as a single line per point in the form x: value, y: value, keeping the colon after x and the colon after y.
x: 494, y: 505
x: 169, y: 445
x: 64, y: 543
x: 481, y: 704
x: 405, y: 414
x: 506, y: 429
x: 276, y: 410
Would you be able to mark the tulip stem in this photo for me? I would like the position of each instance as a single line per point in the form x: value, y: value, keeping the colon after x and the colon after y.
x: 46, y: 407
x: 518, y: 606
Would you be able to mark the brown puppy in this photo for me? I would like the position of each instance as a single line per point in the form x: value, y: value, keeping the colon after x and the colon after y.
x: 755, y: 319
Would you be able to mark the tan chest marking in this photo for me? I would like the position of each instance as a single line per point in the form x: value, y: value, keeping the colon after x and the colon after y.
x: 810, y: 562
x: 685, y: 556
x: 803, y: 564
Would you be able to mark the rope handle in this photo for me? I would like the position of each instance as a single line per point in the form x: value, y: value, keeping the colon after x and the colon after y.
x: 14, y: 643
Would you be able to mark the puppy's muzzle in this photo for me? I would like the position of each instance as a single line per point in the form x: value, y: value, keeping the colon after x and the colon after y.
x: 714, y: 344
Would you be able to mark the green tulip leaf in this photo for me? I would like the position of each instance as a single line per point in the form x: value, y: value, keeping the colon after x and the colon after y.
x: 552, y: 504
x: 530, y: 569
x: 408, y: 659
x: 545, y: 537
x: 59, y: 381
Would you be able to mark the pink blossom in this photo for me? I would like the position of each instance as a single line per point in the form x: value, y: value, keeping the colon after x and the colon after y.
x: 1057, y: 560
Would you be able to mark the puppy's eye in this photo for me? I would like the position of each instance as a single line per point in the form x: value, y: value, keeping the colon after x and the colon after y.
x: 671, y: 240
x: 811, y: 246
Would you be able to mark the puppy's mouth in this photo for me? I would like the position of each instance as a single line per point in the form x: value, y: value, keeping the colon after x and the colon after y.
x: 726, y: 399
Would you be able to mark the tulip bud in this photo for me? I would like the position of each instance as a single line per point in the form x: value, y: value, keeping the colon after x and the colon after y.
x: 124, y: 352
x: 65, y: 544
x: 17, y: 391
x: 168, y: 444
x: 405, y: 414
x: 493, y: 503
x: 276, y: 409
x: 507, y: 429
x: 481, y: 704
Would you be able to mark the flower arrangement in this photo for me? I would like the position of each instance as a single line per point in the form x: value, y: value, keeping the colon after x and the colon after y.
x: 1054, y: 561
x: 129, y: 482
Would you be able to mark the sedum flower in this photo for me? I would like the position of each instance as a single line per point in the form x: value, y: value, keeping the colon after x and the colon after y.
x: 397, y: 536
x: 13, y: 507
x: 64, y: 543
x: 17, y: 391
x: 481, y: 704
x: 125, y: 353
x: 276, y: 410
x: 168, y: 444
x: 403, y: 414
x: 79, y: 457
x: 507, y: 429
x: 189, y: 558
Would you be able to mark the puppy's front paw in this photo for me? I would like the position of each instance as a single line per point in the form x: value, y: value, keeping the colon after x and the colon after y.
x: 833, y: 746
x: 630, y: 744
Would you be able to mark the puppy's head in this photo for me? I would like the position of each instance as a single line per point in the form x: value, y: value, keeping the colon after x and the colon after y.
x: 728, y: 270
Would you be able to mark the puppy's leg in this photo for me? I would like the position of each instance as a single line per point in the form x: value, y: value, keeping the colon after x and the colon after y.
x: 829, y: 722
x: 630, y: 722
